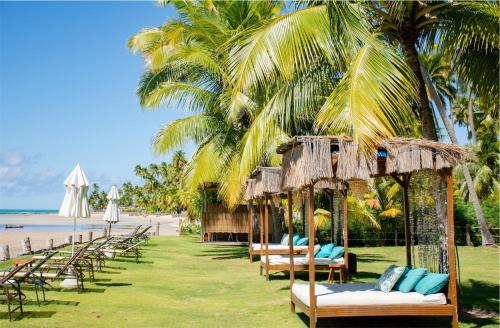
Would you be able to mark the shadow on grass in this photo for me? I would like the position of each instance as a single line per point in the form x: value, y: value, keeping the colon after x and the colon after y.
x: 365, y: 275
x: 478, y: 294
x: 115, y: 267
x: 370, y: 258
x: 52, y: 302
x: 369, y: 322
x: 27, y: 314
x: 132, y: 260
x: 114, y: 284
x: 225, y: 253
x: 109, y: 272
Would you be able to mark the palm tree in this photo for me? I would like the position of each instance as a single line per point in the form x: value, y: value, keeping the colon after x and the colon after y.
x: 288, y: 43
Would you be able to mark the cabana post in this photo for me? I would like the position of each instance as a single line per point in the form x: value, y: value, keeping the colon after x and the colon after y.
x: 250, y: 229
x: 310, y: 160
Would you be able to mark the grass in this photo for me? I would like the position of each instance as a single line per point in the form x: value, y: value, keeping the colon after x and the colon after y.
x: 181, y: 283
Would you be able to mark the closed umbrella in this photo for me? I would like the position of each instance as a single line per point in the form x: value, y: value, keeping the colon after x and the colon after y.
x: 74, y: 205
x: 112, y: 213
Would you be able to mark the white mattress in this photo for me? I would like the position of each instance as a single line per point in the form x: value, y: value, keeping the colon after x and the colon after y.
x: 256, y: 247
x: 298, y: 260
x: 362, y: 294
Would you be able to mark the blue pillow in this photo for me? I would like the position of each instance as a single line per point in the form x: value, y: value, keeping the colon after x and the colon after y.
x: 389, y: 278
x: 284, y: 240
x: 432, y: 283
x: 303, y: 241
x: 337, y: 252
x: 325, y: 251
x: 296, y: 238
x: 410, y: 280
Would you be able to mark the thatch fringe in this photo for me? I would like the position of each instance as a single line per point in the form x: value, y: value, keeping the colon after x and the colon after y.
x: 249, y: 189
x: 308, y: 159
x: 307, y: 163
x: 267, y: 181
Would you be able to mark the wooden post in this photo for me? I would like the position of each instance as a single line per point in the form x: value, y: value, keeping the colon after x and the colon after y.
x: 452, y: 285
x: 157, y: 228
x: 312, y: 273
x: 290, y: 238
x: 26, y: 245
x: 266, y: 208
x: 80, y: 238
x: 250, y: 231
x: 261, y: 230
x: 89, y: 236
x: 406, y: 205
x: 405, y: 183
x: 105, y: 232
x: 303, y: 216
x: 50, y: 243
x: 69, y: 240
x: 332, y: 218
x: 346, y: 236
x: 5, y: 255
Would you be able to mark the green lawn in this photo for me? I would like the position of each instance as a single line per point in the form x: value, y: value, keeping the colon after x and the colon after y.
x: 181, y: 283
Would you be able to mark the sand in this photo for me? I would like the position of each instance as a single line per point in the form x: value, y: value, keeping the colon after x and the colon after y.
x: 40, y: 228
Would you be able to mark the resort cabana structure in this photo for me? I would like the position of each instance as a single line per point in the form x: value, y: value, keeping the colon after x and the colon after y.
x: 262, y: 187
x: 423, y: 169
x: 218, y: 223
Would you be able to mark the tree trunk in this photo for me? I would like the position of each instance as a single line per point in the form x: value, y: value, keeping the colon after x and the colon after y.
x: 486, y: 238
x: 471, y: 117
x: 408, y: 40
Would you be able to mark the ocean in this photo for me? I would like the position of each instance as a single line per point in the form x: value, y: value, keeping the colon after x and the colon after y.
x: 26, y: 212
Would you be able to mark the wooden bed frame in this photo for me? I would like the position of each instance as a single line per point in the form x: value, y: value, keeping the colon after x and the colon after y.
x: 314, y: 312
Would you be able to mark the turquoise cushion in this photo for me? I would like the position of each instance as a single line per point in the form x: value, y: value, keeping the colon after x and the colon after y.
x: 410, y: 280
x: 296, y: 238
x: 432, y: 283
x: 325, y: 251
x: 303, y: 241
x: 389, y: 278
x: 337, y: 252
x: 284, y: 240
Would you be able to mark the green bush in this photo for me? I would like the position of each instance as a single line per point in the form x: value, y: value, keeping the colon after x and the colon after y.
x: 191, y: 229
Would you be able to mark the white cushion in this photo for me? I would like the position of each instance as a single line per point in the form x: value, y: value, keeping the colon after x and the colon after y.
x: 256, y: 247
x: 298, y: 260
x: 361, y: 294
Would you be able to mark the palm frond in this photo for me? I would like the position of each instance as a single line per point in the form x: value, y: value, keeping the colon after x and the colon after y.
x: 373, y: 99
x: 177, y: 133
x: 184, y: 95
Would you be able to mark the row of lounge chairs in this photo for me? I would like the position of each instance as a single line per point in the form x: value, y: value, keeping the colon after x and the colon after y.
x: 53, y: 265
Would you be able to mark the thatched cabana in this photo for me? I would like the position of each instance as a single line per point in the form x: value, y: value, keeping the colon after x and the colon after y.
x: 219, y: 223
x: 422, y: 166
x: 262, y: 187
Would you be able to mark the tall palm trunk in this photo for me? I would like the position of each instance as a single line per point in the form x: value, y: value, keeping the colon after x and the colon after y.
x: 471, y: 117
x: 486, y: 238
x: 408, y: 39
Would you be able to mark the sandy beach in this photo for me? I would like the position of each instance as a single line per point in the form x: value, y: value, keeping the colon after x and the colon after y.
x: 40, y: 228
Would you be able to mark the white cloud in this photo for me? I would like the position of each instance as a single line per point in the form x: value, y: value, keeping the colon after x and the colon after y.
x: 19, y: 175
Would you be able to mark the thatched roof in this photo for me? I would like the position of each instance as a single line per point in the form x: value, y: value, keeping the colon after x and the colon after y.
x: 267, y: 181
x: 308, y: 159
x: 249, y: 188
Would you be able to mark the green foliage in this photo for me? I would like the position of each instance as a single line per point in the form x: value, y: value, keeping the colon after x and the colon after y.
x: 97, y: 198
x: 191, y: 229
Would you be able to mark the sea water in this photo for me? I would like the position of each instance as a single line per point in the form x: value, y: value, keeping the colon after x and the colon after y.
x: 26, y: 212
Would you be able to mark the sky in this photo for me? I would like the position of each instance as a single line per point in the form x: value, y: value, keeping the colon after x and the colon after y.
x: 67, y: 96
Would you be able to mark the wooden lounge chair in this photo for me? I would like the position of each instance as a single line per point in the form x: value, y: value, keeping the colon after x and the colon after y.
x: 57, y: 269
x: 7, y: 283
x: 30, y: 276
x: 131, y: 249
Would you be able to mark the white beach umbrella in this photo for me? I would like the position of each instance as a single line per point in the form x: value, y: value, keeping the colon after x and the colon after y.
x: 112, y: 213
x: 75, y: 204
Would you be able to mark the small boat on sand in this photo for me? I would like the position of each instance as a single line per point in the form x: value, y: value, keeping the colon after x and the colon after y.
x: 13, y: 226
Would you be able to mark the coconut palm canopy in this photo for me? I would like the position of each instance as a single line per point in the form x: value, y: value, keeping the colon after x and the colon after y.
x: 308, y: 159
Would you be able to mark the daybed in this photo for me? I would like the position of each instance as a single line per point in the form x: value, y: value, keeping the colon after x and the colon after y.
x: 300, y: 262
x: 423, y: 169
